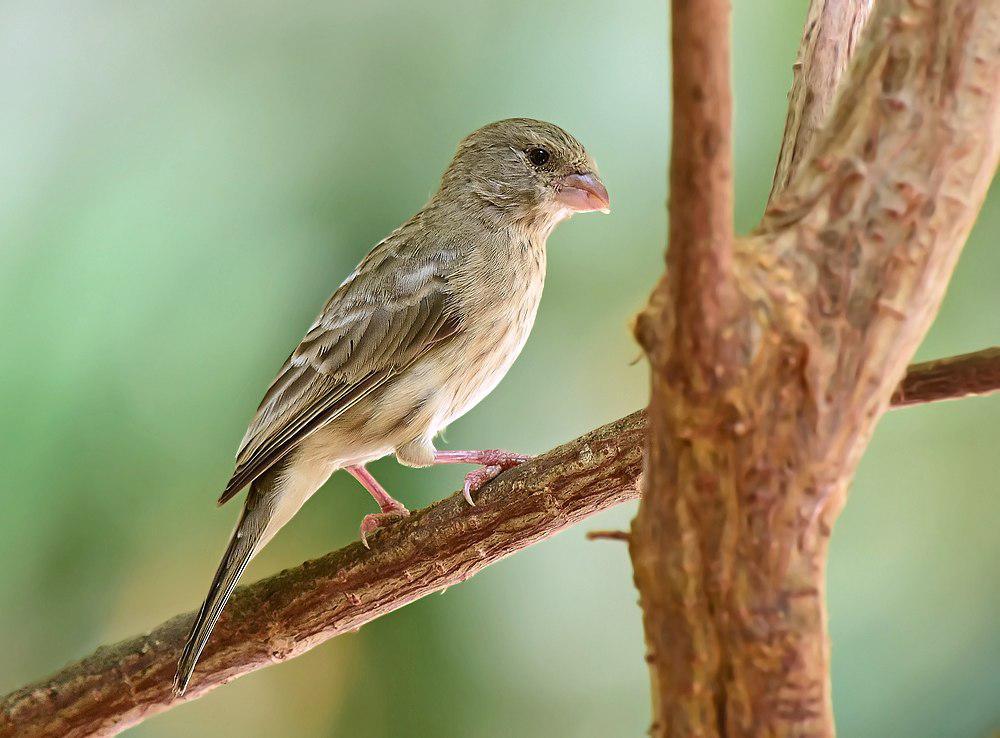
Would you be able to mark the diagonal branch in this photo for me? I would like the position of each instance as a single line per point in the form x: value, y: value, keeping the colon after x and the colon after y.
x: 831, y: 34
x: 873, y: 224
x: 287, y: 614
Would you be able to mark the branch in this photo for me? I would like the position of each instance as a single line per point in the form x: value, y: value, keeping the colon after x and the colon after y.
x: 287, y: 614
x: 832, y: 30
x: 697, y: 288
x: 692, y: 332
x: 871, y: 228
x: 950, y: 379
x: 609, y: 535
x: 836, y: 290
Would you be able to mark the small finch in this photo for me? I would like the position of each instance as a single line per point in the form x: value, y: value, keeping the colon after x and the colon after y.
x: 420, y: 332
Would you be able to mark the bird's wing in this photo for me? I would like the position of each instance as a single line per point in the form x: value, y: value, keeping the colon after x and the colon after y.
x: 391, y: 310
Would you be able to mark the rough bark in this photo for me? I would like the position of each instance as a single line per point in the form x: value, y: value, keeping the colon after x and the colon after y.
x: 699, y: 270
x: 687, y: 333
x: 950, y: 379
x: 832, y: 31
x: 285, y: 615
x: 835, y: 290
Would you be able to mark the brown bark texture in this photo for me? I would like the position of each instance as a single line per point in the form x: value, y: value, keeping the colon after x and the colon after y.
x: 754, y: 439
x: 287, y: 614
x: 831, y: 33
x: 950, y: 379
x: 701, y: 187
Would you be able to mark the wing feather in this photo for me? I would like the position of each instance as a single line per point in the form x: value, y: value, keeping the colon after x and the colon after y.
x: 368, y: 332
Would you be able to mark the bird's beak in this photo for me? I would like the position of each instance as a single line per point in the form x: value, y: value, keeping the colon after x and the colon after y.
x: 582, y: 193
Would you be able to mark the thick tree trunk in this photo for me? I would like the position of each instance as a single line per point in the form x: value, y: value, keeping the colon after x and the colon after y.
x: 772, y: 359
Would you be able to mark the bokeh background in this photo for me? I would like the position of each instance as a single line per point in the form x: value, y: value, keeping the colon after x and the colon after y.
x: 181, y: 186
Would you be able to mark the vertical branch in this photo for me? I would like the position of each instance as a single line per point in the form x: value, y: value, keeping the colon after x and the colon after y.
x: 832, y: 31
x: 689, y: 333
x: 699, y: 288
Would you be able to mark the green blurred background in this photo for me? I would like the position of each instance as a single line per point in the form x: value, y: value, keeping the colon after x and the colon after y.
x: 181, y: 186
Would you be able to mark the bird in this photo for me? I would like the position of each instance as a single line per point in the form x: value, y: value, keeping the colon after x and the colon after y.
x: 425, y: 327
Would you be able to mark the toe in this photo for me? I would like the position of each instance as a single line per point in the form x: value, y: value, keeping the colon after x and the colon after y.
x: 374, y: 521
x: 474, y: 480
x: 506, y: 459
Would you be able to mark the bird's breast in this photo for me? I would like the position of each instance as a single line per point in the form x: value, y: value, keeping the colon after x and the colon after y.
x: 499, y: 313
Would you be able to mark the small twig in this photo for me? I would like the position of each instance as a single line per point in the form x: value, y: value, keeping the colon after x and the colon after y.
x: 950, y: 379
x: 609, y: 535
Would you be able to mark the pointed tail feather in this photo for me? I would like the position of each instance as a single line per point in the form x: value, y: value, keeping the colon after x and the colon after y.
x: 246, y: 541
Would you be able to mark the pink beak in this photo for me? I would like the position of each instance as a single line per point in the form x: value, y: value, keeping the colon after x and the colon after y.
x: 583, y: 193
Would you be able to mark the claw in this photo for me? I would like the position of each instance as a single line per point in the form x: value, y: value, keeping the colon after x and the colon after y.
x: 475, y: 479
x: 493, y: 462
x: 374, y: 521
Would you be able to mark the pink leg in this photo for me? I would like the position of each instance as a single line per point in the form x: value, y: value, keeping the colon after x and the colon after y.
x: 390, y: 507
x: 493, y: 462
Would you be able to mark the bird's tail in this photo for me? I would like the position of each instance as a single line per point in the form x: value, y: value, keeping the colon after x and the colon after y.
x: 251, y: 533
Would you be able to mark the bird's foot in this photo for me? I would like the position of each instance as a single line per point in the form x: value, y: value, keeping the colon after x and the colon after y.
x: 391, y: 508
x: 374, y: 521
x: 493, y: 462
x: 474, y: 480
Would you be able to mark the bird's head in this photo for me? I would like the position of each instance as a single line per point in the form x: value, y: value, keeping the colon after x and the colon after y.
x: 525, y: 170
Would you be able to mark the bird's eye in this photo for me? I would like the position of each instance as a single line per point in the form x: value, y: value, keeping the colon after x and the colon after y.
x: 538, y: 156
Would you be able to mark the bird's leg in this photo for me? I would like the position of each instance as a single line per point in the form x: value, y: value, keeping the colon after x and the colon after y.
x: 493, y: 461
x: 390, y: 507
